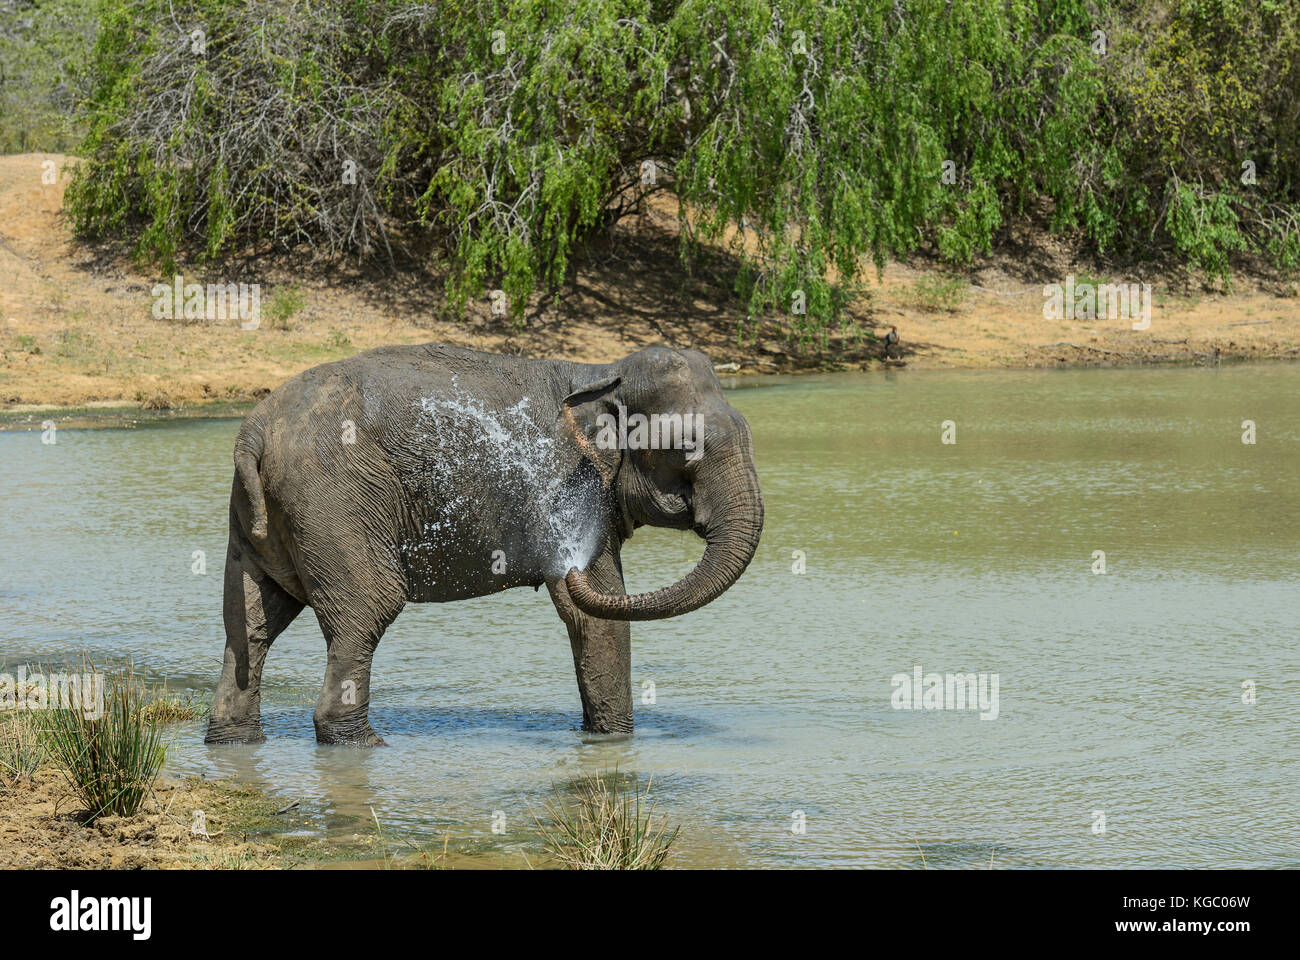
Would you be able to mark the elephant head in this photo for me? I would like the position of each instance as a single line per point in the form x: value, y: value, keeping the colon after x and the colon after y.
x: 671, y: 453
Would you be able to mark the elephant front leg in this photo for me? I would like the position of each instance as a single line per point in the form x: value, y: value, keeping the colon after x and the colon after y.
x: 602, y: 653
x: 602, y: 657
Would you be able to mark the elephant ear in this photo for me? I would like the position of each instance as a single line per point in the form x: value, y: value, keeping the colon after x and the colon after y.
x: 581, y: 413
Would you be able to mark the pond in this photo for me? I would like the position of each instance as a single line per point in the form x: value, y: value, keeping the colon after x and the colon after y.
x: 1144, y: 715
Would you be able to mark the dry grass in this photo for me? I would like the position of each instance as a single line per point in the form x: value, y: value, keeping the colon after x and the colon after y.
x: 21, y: 749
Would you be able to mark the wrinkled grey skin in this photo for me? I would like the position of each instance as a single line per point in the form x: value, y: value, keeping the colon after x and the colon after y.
x: 427, y: 506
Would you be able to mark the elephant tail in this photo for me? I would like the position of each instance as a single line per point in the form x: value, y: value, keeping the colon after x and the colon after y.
x: 248, y: 457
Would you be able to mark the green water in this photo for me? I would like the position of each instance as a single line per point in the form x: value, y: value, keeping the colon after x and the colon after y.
x: 1119, y: 694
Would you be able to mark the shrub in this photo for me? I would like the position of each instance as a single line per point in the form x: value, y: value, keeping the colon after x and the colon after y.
x: 44, y: 47
x: 938, y: 291
x: 285, y: 303
x: 1200, y: 97
x: 229, y: 121
x: 812, y: 138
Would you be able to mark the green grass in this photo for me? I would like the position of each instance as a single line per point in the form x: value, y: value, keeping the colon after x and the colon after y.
x: 607, y: 824
x: 110, y: 760
x: 164, y: 708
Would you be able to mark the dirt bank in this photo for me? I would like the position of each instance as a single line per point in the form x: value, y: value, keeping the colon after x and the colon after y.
x: 43, y: 826
x: 77, y: 327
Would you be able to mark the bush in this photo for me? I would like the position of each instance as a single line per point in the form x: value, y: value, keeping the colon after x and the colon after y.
x: 812, y: 138
x: 227, y: 122
x: 285, y: 303
x: 939, y: 292
x: 1202, y: 96
x: 44, y: 47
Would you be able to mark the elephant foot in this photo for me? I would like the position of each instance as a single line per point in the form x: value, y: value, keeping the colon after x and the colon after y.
x: 347, y: 734
x: 612, y: 725
x: 234, y: 731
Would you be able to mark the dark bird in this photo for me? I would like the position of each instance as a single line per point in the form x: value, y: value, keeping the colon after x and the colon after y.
x: 891, y: 341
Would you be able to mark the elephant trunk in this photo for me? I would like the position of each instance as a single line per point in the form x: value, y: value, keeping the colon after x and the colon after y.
x: 729, y: 510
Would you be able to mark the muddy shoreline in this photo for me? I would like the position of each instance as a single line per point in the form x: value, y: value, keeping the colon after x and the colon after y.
x: 186, y: 824
x: 193, y: 823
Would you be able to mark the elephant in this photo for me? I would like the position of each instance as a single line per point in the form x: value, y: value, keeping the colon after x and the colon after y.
x: 433, y: 473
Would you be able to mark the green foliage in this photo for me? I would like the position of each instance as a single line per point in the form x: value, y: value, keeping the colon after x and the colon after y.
x: 935, y: 291
x: 1204, y: 227
x: 537, y: 118
x: 226, y: 122
x: 44, y: 45
x: 1203, y: 94
x: 285, y: 303
x: 810, y: 137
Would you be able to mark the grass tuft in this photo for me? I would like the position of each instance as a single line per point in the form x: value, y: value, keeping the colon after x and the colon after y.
x: 111, y: 760
x: 163, y: 708
x: 605, y: 826
x: 21, y: 749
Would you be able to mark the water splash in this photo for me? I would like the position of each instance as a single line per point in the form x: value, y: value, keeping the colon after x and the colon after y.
x: 511, y: 454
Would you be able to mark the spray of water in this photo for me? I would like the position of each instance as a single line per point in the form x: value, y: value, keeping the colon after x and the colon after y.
x: 511, y: 454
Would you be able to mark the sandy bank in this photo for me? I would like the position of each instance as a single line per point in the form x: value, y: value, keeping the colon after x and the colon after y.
x: 77, y: 326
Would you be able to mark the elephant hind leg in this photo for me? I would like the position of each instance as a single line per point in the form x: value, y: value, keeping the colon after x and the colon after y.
x: 353, y: 625
x: 256, y: 611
